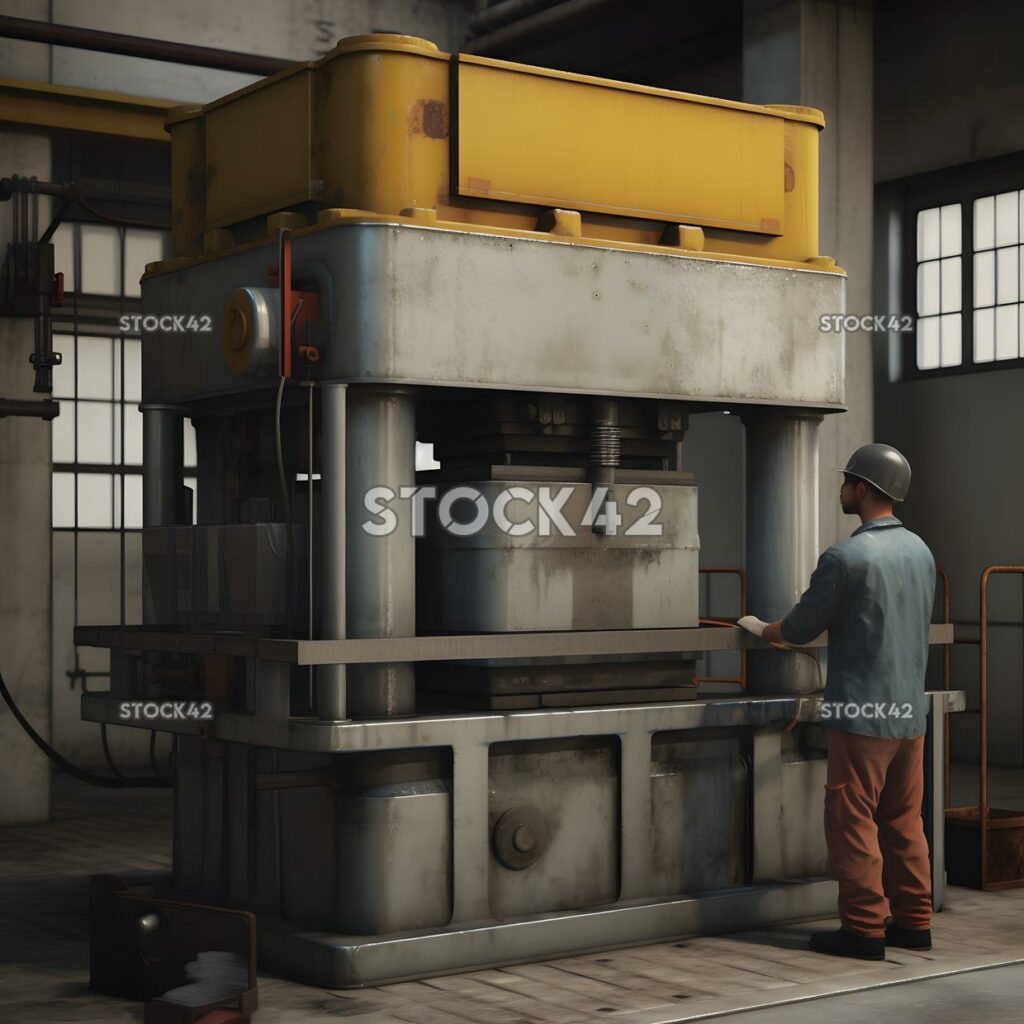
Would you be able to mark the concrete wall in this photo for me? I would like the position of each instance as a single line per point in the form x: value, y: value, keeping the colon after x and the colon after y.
x: 292, y: 29
x: 961, y: 433
x: 24, y: 540
x: 815, y: 53
x: 819, y: 53
x: 949, y: 87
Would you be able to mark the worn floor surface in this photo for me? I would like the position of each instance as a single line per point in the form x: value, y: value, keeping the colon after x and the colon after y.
x: 44, y: 953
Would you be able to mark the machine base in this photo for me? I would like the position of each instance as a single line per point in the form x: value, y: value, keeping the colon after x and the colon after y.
x: 357, y: 961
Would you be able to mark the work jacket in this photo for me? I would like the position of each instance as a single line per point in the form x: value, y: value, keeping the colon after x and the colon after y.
x: 874, y: 595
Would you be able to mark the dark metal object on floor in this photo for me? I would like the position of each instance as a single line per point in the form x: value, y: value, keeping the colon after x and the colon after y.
x: 192, y: 963
x: 985, y: 845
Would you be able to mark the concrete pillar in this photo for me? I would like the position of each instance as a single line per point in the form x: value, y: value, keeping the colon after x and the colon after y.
x: 819, y: 53
x: 782, y: 535
x: 25, y: 554
x: 381, y: 567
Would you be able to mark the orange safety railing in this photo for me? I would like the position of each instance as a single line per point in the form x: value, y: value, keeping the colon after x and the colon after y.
x: 946, y: 649
x: 1010, y: 856
x: 741, y: 679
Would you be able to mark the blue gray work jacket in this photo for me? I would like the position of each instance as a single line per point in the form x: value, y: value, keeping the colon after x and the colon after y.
x: 874, y: 595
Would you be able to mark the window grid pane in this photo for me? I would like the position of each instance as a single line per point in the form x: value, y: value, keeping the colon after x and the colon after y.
x: 998, y: 276
x: 97, y: 437
x: 939, y: 288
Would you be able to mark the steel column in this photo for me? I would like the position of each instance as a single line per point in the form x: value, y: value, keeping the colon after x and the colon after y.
x: 331, y: 700
x: 381, y: 565
x: 934, y: 811
x: 781, y: 535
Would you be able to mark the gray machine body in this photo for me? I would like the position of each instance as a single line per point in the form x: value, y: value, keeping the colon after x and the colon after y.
x: 438, y: 308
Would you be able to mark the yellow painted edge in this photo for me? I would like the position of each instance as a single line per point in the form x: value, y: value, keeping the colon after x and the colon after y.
x: 331, y: 218
x: 43, y: 105
x: 358, y: 44
x: 265, y: 209
x: 385, y: 43
x: 810, y: 115
x: 670, y: 216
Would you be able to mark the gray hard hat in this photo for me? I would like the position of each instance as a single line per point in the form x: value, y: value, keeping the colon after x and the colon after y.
x: 883, y: 466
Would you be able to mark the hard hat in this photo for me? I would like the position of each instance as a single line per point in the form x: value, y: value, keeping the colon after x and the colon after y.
x: 883, y: 466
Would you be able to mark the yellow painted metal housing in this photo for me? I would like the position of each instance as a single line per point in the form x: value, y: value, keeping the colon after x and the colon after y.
x: 39, y: 105
x: 389, y: 126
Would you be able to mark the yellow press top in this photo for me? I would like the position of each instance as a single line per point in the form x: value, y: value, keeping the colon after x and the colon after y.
x: 389, y: 126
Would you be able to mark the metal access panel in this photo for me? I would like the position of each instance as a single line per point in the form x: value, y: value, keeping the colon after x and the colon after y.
x: 434, y: 307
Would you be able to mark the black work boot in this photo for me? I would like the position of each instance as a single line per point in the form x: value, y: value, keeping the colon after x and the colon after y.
x: 843, y: 943
x: 908, y: 938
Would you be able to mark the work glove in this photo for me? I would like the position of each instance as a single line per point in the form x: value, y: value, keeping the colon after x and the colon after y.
x: 752, y: 624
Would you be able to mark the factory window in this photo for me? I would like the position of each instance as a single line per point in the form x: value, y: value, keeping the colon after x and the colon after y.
x: 939, y: 298
x: 963, y: 267
x: 998, y: 234
x: 97, y: 438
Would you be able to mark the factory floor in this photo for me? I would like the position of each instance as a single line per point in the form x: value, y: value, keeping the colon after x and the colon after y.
x: 764, y: 976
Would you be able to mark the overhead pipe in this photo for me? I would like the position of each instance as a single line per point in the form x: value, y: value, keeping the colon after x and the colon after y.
x: 137, y: 46
x: 544, y: 22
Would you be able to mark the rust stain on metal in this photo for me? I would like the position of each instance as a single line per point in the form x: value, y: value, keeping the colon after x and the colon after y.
x: 430, y: 118
x: 790, y: 179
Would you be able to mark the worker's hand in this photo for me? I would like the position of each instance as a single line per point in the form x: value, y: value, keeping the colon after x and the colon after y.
x: 752, y: 624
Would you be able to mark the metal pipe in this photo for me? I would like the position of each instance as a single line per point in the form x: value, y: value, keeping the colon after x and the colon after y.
x: 556, y: 18
x: 42, y: 408
x: 504, y: 12
x: 983, y: 822
x: 331, y: 696
x: 163, y: 472
x: 741, y: 573
x: 310, y: 582
x: 138, y: 46
x: 781, y: 535
x: 381, y: 453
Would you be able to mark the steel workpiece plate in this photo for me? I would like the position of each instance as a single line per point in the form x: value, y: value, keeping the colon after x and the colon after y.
x: 433, y: 306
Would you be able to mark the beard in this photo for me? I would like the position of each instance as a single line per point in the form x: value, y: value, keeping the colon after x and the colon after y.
x: 848, y: 507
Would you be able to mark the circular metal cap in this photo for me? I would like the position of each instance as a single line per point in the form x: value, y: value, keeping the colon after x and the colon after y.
x: 520, y: 837
x: 249, y: 331
x: 883, y: 466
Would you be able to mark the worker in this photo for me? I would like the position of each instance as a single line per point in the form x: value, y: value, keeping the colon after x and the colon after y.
x: 873, y: 593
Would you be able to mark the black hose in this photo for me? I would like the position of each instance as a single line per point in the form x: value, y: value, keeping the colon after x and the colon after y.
x: 106, y: 752
x: 72, y: 769
x: 289, y: 554
x: 152, y: 755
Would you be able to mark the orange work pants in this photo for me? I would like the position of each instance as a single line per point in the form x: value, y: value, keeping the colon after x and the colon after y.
x: 876, y: 844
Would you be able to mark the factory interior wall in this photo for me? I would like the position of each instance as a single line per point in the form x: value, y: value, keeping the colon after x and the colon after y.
x: 24, y: 537
x: 814, y: 53
x: 293, y: 29
x: 961, y: 432
x: 803, y: 51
